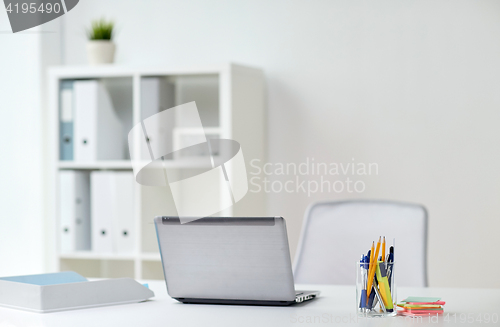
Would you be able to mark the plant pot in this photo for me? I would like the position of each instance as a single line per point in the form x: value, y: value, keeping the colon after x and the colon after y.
x: 100, y: 52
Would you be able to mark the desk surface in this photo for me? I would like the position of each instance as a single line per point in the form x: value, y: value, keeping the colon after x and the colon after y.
x: 334, y: 304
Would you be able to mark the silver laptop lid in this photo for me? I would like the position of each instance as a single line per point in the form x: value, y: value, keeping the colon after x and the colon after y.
x: 226, y: 258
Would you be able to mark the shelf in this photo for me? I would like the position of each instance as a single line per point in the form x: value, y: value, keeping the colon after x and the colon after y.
x: 97, y: 256
x: 188, y: 163
x: 112, y: 71
x: 114, y: 164
x: 110, y: 256
x: 151, y: 257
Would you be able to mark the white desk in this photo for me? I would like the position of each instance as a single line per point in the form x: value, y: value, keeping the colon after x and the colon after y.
x: 335, y: 302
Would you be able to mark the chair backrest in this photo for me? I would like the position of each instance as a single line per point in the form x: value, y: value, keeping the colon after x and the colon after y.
x: 335, y: 234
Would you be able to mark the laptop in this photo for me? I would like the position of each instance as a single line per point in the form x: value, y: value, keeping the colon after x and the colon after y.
x: 218, y: 260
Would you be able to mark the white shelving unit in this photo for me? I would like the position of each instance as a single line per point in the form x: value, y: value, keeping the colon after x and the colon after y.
x: 230, y: 99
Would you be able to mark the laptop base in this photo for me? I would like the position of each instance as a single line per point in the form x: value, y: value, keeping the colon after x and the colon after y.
x: 234, y: 302
x: 301, y: 296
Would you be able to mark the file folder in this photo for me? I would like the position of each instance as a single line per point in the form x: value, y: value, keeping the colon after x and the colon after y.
x: 102, y: 211
x: 97, y: 128
x: 66, y: 121
x: 123, y: 215
x: 157, y: 94
x: 113, y: 223
x: 74, y: 211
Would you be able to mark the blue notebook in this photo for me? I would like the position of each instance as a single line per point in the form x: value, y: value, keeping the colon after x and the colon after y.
x: 48, y: 279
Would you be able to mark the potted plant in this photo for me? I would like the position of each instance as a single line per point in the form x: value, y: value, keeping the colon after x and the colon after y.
x: 100, y: 47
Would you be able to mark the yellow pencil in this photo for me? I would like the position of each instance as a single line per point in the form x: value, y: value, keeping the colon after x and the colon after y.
x: 383, y: 250
x: 372, y: 253
x: 370, y: 264
x: 371, y: 272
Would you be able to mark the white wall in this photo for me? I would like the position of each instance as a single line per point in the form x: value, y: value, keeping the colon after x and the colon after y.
x: 22, y: 211
x: 410, y: 85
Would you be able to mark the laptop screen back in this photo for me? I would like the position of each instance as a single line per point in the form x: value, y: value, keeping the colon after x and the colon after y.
x: 226, y: 258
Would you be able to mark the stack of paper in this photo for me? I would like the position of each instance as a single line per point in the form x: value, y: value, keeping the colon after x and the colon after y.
x: 68, y: 291
x: 421, y: 306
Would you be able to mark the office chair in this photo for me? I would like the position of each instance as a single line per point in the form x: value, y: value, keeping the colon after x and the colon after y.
x: 335, y: 234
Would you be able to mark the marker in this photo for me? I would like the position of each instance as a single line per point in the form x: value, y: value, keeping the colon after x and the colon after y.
x: 385, y: 290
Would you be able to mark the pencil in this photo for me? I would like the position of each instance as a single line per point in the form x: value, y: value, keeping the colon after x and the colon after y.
x: 371, y: 256
x: 372, y: 269
x: 383, y: 249
x: 370, y: 264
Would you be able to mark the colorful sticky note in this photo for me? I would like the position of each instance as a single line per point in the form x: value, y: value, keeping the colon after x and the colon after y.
x: 421, y: 299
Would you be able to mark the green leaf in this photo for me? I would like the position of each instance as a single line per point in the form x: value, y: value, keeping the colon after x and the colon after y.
x: 100, y: 29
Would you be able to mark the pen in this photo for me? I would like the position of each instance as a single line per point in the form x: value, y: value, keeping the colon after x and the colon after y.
x: 379, y: 298
x: 362, y: 303
x: 390, y: 260
x: 372, y: 300
x: 390, y: 266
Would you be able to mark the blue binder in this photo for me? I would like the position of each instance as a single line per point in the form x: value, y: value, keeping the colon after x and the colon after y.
x: 66, y: 120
